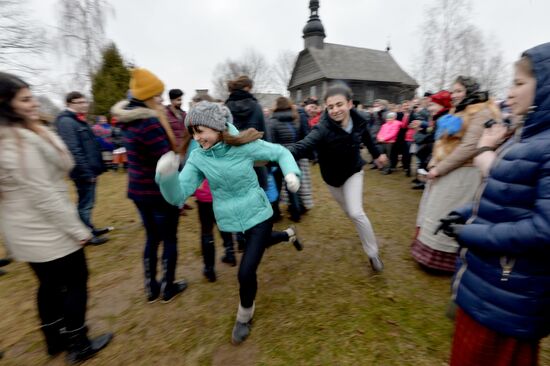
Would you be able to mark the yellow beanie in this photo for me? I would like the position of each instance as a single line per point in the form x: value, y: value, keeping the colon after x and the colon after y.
x: 144, y: 84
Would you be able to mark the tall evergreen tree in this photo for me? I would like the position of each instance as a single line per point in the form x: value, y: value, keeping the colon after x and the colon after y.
x: 110, y: 82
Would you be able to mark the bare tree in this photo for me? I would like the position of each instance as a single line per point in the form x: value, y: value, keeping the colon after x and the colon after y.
x: 282, y: 70
x: 82, y: 35
x: 22, y: 40
x: 252, y: 64
x: 451, y: 46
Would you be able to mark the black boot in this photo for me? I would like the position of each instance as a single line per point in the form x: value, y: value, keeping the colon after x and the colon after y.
x: 80, y: 347
x: 209, y: 257
x: 152, y: 288
x: 170, y: 288
x: 54, y: 335
x: 241, y: 242
x: 229, y: 256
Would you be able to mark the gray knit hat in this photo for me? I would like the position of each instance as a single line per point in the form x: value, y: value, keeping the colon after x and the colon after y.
x: 208, y: 114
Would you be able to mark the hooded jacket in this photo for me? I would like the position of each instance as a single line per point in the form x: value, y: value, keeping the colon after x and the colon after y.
x: 503, y: 277
x: 238, y: 201
x: 338, y: 151
x: 246, y: 111
x: 145, y: 141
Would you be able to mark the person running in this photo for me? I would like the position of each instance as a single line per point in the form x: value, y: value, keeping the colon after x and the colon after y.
x: 337, y: 139
x: 40, y: 224
x: 226, y: 158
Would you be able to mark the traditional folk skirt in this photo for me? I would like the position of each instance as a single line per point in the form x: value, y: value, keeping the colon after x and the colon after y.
x: 476, y: 345
x: 438, y: 251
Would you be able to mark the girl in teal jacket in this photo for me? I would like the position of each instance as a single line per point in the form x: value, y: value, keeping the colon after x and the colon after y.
x: 226, y: 159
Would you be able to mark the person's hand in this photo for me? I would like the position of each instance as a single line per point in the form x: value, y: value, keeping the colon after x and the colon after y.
x: 453, y: 230
x: 168, y: 164
x: 433, y: 173
x: 452, y: 218
x: 493, y: 137
x: 381, y: 161
x: 84, y: 241
x: 292, y: 182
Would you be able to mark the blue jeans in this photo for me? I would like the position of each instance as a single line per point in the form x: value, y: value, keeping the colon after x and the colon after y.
x: 86, y: 200
x: 160, y: 220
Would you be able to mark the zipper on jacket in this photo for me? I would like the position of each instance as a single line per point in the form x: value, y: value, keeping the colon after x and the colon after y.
x: 459, y: 273
x: 507, y: 265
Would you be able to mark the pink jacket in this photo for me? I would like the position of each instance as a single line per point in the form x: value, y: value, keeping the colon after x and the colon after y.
x: 203, y: 194
x: 389, y: 131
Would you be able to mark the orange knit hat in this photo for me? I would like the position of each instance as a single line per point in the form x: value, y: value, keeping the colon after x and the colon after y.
x: 144, y: 84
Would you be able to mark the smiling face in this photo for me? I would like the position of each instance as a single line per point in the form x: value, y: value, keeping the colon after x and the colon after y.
x: 25, y: 105
x: 206, y: 136
x: 521, y: 95
x: 338, y: 108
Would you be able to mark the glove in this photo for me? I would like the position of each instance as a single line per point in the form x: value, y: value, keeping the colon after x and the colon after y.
x: 168, y: 164
x: 453, y: 230
x: 292, y: 182
x: 450, y: 219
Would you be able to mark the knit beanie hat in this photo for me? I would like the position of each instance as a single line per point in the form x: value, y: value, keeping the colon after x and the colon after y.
x: 208, y: 114
x: 144, y: 84
x: 443, y: 98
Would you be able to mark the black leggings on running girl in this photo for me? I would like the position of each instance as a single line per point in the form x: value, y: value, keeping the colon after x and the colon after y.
x: 258, y: 238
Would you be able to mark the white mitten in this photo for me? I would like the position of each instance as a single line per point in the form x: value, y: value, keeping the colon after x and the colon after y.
x: 168, y: 164
x: 292, y: 182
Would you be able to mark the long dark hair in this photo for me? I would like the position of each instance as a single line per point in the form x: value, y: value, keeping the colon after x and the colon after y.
x: 10, y: 85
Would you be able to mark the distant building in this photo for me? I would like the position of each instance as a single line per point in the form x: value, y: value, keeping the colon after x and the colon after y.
x: 371, y: 74
x: 267, y: 100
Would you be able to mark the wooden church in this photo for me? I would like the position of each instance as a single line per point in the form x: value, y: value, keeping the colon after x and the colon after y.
x: 371, y: 74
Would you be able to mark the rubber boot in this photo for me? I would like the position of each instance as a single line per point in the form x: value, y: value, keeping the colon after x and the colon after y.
x: 152, y: 288
x: 54, y: 335
x: 209, y: 257
x: 80, y: 347
x: 229, y: 256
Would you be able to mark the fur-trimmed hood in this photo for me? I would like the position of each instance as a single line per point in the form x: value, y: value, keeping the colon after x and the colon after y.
x: 125, y: 112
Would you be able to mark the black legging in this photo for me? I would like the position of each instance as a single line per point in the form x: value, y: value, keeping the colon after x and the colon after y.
x: 258, y: 238
x: 62, y: 292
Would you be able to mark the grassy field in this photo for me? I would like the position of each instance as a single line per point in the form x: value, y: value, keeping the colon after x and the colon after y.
x: 321, y: 306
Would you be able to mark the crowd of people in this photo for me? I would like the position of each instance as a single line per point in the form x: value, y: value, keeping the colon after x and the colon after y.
x: 483, y: 166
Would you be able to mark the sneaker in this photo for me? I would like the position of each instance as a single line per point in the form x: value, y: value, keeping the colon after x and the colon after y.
x: 153, y: 296
x: 241, y: 331
x: 376, y: 264
x: 102, y: 231
x: 174, y: 290
x: 210, y: 274
x: 96, y: 240
x: 294, y: 238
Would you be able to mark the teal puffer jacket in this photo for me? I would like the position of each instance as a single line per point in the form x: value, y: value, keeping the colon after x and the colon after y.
x: 239, y: 201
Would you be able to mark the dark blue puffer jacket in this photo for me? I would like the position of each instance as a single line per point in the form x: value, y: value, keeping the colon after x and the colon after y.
x: 503, y: 279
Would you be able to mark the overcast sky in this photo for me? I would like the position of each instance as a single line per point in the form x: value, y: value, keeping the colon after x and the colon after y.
x: 182, y: 40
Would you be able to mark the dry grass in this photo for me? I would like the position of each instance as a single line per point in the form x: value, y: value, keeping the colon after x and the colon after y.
x: 322, y: 306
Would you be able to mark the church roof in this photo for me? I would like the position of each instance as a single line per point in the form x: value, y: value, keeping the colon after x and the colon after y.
x: 339, y: 62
